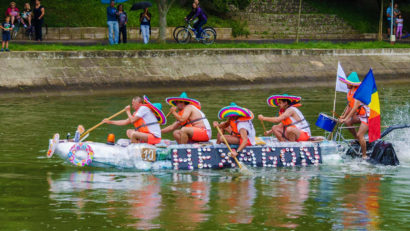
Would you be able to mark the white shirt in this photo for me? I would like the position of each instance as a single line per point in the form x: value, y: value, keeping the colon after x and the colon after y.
x: 149, y: 117
x: 248, y: 126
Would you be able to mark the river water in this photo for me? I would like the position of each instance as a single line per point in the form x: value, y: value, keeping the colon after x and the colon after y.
x: 37, y: 193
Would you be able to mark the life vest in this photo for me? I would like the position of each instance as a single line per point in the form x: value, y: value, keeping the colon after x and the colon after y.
x: 350, y: 100
x: 140, y: 124
x: 234, y: 125
x: 188, y: 123
x: 301, y: 124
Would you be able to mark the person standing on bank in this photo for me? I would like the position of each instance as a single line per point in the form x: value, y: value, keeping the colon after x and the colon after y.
x: 113, y: 27
x: 122, y: 21
x: 38, y: 20
x: 145, y: 28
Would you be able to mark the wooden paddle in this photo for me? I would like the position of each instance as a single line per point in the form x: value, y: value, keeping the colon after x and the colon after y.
x: 242, y: 167
x: 101, y: 123
x: 263, y: 125
x: 169, y: 113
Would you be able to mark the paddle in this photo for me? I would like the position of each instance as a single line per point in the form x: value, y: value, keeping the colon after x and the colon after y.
x: 101, y: 123
x: 242, y: 167
x: 169, y: 113
x: 263, y: 125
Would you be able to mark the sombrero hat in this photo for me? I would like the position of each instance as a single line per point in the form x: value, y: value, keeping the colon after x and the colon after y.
x: 273, y: 100
x: 157, y: 109
x: 235, y: 110
x: 352, y: 79
x: 183, y: 97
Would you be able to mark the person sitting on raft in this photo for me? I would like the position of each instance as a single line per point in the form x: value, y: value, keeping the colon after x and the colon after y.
x: 239, y: 126
x: 356, y: 112
x: 292, y: 124
x: 191, y: 124
x: 146, y: 120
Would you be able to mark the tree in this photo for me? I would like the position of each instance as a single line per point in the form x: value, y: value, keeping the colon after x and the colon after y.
x: 163, y: 8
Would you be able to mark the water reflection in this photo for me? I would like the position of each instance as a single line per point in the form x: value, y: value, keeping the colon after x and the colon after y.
x: 361, y: 203
x: 193, y: 200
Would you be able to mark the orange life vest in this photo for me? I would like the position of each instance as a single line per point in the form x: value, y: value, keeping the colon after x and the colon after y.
x: 234, y: 125
x: 140, y: 124
x: 351, y: 100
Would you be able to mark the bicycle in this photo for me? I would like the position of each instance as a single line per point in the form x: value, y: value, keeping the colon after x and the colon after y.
x: 208, y: 35
x: 29, y: 31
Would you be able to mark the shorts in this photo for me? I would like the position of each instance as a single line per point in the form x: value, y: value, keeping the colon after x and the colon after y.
x: 247, y: 144
x: 152, y: 139
x: 304, y: 136
x: 200, y: 135
x: 6, y: 37
x: 364, y: 120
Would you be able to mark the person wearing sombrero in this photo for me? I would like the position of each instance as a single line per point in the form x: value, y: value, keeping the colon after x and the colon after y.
x: 191, y: 124
x: 146, y: 120
x: 238, y: 125
x: 292, y: 124
x: 356, y: 112
x: 361, y: 114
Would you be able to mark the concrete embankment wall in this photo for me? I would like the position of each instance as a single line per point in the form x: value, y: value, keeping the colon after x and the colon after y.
x: 84, y: 70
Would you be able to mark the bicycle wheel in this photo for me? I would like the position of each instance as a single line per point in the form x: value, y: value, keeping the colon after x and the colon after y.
x: 15, y: 32
x: 183, y: 36
x: 209, y: 27
x: 208, y: 36
x: 176, y: 30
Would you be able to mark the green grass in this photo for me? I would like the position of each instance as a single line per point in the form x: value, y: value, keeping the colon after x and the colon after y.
x: 156, y: 46
x: 91, y: 13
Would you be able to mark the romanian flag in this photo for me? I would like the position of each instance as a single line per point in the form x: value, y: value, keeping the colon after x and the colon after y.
x: 367, y: 94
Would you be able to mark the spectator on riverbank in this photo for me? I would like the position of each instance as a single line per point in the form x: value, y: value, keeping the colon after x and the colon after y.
x: 389, y: 13
x: 145, y: 27
x: 399, y: 22
x: 6, y: 35
x: 13, y: 12
x: 38, y: 20
x: 113, y: 27
x: 396, y: 13
x: 122, y: 22
x: 26, y: 15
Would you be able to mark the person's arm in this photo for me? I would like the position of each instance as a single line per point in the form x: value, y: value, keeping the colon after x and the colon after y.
x: 345, y: 112
x: 148, y: 16
x: 352, y: 111
x: 278, y: 119
x: 170, y: 128
x: 181, y: 118
x: 42, y: 13
x: 189, y: 16
x: 222, y: 125
x: 111, y: 12
x: 117, y: 122
x: 244, y: 136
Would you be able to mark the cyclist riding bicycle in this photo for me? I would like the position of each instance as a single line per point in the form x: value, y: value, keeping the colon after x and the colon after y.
x: 197, y: 12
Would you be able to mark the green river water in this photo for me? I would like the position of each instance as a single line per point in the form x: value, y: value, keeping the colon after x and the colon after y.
x: 37, y: 193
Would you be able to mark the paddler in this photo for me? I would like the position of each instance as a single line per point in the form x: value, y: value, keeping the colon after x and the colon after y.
x: 146, y: 120
x: 239, y: 126
x: 356, y: 112
x: 292, y: 124
x: 191, y: 124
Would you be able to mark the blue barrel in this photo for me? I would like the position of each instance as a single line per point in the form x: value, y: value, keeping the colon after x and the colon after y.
x: 326, y: 122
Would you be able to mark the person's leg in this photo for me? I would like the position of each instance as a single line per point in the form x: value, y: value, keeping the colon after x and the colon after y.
x: 292, y: 134
x: 400, y: 32
x: 7, y: 45
x: 231, y: 139
x: 121, y: 34
x: 186, y: 133
x: 116, y: 32
x: 278, y: 132
x: 360, y: 137
x: 145, y: 33
x: 12, y: 20
x: 177, y: 136
x: 110, y: 32
x: 137, y: 137
x: 29, y: 20
x: 2, y: 45
x: 124, y: 34
x: 40, y: 32
x: 354, y: 120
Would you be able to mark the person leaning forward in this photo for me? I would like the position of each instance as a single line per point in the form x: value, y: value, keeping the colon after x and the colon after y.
x: 292, y: 124
x: 356, y: 112
x: 239, y: 127
x: 191, y: 125
x: 146, y: 120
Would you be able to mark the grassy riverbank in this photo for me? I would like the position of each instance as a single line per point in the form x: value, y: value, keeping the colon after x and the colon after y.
x: 156, y: 46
